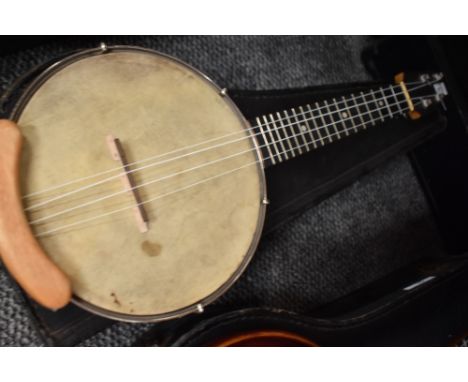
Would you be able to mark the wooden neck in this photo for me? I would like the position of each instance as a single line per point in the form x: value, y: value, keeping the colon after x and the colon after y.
x: 289, y: 133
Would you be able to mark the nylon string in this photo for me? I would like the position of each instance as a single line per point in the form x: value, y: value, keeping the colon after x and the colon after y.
x: 63, y: 227
x: 276, y: 129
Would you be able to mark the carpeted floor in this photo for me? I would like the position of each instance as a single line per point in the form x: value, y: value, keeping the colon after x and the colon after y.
x: 375, y: 226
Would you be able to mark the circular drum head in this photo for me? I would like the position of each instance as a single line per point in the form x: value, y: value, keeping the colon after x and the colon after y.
x: 194, y: 171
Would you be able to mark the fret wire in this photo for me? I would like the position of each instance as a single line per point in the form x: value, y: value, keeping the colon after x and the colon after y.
x: 276, y: 130
x: 341, y: 115
x: 368, y: 109
x: 303, y: 126
x: 358, y: 111
x: 301, y: 129
x: 391, y: 87
x: 324, y: 123
x: 396, y: 99
x: 333, y: 122
x: 349, y: 113
x: 366, y: 122
x: 324, y: 127
x: 378, y: 105
x: 384, y: 97
x: 275, y: 147
x: 285, y: 133
x: 291, y: 124
x: 316, y: 128
x: 292, y: 131
x: 309, y: 130
x: 360, y: 115
x: 267, y: 144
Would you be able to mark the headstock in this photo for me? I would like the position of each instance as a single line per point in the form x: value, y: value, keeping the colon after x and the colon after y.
x: 421, y: 91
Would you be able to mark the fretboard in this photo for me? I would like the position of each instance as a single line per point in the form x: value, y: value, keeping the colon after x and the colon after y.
x: 289, y: 133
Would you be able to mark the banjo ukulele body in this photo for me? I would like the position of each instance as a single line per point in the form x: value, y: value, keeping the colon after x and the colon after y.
x: 141, y: 180
x: 142, y: 186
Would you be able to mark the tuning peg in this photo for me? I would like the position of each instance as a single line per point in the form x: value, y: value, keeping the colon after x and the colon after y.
x: 424, y: 77
x: 426, y: 103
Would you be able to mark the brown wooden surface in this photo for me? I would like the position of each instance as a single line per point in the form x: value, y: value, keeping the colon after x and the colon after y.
x: 266, y: 338
x: 19, y: 250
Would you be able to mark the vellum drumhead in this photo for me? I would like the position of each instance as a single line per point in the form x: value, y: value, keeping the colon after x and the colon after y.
x: 200, y: 237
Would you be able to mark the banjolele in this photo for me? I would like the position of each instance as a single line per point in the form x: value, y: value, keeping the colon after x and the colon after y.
x: 139, y: 192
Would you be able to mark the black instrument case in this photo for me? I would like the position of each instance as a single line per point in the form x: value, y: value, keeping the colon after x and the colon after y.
x: 421, y: 304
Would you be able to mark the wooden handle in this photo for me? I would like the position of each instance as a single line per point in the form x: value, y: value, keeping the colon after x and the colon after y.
x: 19, y: 250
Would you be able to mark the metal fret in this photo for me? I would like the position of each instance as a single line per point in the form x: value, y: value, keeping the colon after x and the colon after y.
x: 272, y: 138
x: 396, y: 99
x: 286, y: 136
x: 358, y: 111
x: 298, y: 146
x: 343, y: 116
x: 272, y: 158
x: 390, y: 113
x: 332, y: 120
x: 349, y: 114
x: 302, y: 128
x: 306, y: 120
x: 378, y: 104
x: 323, y: 122
x: 291, y: 125
x: 368, y: 109
x: 316, y: 128
x: 280, y: 138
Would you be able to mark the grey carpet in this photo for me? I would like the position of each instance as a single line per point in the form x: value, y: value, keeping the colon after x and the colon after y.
x: 366, y: 231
